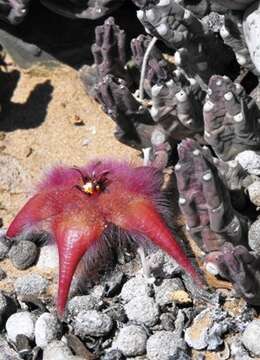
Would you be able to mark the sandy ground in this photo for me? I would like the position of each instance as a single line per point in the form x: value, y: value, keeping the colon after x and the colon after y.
x: 38, y: 129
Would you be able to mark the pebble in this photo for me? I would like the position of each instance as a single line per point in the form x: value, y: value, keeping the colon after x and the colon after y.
x: 250, y: 161
x: 142, y: 309
x: 23, y: 254
x: 253, y: 236
x: 20, y: 323
x: 48, y: 257
x: 5, y: 245
x: 163, y: 265
x: 254, y: 193
x: 47, y: 329
x: 196, y: 336
x: 251, y: 336
x: 92, y: 323
x: 251, y: 27
x: 134, y: 287
x: 167, y: 321
x: 31, y: 285
x: 163, y: 293
x: 162, y: 345
x: 82, y: 303
x: 113, y: 355
x: 131, y: 340
x: 6, y: 352
x: 58, y: 350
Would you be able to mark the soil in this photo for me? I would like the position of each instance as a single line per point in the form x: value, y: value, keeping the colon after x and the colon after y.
x: 48, y: 120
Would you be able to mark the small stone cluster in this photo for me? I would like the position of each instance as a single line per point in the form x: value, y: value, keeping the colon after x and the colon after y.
x: 124, y: 315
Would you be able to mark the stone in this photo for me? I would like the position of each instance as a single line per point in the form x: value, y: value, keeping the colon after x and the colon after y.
x: 136, y: 286
x: 48, y: 257
x: 162, y: 345
x: 253, y: 237
x: 163, y: 292
x: 250, y: 161
x: 58, y: 350
x: 131, y: 340
x: 31, y: 285
x: 47, y: 329
x: 163, y: 265
x: 250, y: 337
x: 196, y: 335
x: 142, y: 309
x: 92, y: 323
x: 20, y: 323
x: 254, y: 193
x: 82, y: 303
x: 251, y: 27
x: 23, y: 254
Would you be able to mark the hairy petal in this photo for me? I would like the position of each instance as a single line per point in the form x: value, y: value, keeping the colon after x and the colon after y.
x: 141, y: 216
x: 74, y: 233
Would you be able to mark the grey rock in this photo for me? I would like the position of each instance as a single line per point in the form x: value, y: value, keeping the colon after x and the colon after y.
x: 250, y: 337
x: 58, y: 350
x: 142, y: 309
x: 163, y: 265
x: 131, y: 340
x: 137, y: 286
x: 238, y: 352
x: 92, y: 323
x: 196, y: 336
x: 167, y: 321
x: 162, y: 345
x: 82, y: 303
x: 163, y: 293
x: 2, y: 274
x: 113, y: 355
x: 31, y: 285
x: 5, y: 245
x: 254, y: 193
x: 253, y: 237
x: 48, y: 257
x: 6, y: 352
x: 47, y: 329
x: 20, y: 323
x: 251, y: 27
x: 23, y: 254
x: 250, y: 161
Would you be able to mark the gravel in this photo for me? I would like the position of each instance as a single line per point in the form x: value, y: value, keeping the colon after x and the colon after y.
x: 92, y: 323
x: 23, y: 254
x: 254, y: 193
x: 142, y: 309
x: 251, y: 336
x: 162, y: 345
x: 163, y: 265
x: 20, y: 323
x: 31, y: 285
x: 131, y: 340
x: 134, y: 287
x: 59, y: 351
x: 47, y: 329
x: 163, y: 293
x: 48, y: 257
x: 82, y: 303
x: 250, y: 161
x: 253, y: 237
